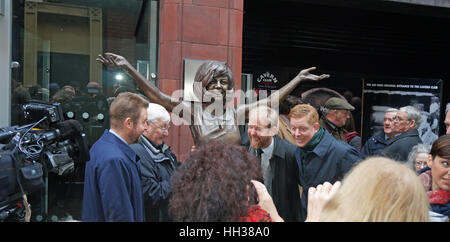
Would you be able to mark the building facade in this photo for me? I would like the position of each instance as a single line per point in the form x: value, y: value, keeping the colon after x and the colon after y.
x: 50, y: 45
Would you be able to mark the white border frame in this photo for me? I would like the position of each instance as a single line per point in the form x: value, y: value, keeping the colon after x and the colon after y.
x: 5, y: 63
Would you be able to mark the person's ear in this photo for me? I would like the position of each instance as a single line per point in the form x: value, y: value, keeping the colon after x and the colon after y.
x: 316, y: 127
x: 412, y: 123
x: 274, y: 130
x: 430, y: 161
x: 128, y: 123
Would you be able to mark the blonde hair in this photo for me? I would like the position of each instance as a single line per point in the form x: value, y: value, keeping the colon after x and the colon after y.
x: 305, y: 110
x: 378, y: 190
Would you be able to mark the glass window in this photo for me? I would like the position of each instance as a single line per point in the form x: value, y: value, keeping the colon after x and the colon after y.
x: 56, y: 44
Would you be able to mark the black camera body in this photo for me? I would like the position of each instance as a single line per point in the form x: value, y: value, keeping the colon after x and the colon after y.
x: 47, y: 144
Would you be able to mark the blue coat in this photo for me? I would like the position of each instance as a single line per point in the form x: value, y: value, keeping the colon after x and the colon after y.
x: 112, y: 185
x: 374, y: 145
x: 157, y: 167
x: 329, y: 161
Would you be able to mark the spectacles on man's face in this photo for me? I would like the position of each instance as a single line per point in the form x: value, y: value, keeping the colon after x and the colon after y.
x: 400, y: 119
x: 159, y: 127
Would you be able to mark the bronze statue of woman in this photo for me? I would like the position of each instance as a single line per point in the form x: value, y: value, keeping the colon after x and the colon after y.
x: 212, y: 119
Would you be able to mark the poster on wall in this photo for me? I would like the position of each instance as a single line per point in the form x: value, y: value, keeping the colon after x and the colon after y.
x: 380, y: 94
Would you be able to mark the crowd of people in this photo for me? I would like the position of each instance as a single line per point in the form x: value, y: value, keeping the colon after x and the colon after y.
x: 225, y: 182
x: 299, y: 164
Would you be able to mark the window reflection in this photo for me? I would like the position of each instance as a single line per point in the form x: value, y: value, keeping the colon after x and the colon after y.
x: 55, y: 43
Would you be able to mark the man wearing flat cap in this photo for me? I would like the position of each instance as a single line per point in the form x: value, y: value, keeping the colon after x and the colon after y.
x: 336, y: 111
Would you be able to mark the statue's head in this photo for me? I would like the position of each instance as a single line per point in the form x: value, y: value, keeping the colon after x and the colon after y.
x: 213, y: 80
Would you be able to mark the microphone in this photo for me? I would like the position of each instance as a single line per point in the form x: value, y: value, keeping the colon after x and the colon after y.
x: 64, y: 130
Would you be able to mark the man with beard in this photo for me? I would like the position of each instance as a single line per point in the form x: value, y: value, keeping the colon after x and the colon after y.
x: 378, y: 142
x: 278, y: 164
x: 112, y: 185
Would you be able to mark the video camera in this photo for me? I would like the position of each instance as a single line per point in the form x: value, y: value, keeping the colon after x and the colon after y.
x: 27, y: 153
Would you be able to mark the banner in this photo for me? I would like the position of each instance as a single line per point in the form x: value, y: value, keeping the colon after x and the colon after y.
x: 380, y: 94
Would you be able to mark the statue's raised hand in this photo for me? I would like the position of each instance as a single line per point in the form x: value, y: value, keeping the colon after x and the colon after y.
x: 113, y: 60
x: 305, y: 75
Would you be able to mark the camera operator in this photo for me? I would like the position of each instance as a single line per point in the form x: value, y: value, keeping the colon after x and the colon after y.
x: 112, y: 185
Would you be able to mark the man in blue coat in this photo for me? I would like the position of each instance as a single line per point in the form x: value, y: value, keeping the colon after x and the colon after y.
x: 375, y: 144
x: 320, y: 157
x: 112, y: 185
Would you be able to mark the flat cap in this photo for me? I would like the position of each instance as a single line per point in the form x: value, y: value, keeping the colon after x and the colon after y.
x: 338, y: 103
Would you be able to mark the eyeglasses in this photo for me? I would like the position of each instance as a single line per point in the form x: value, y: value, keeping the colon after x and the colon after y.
x: 420, y: 164
x: 399, y: 119
x: 159, y: 127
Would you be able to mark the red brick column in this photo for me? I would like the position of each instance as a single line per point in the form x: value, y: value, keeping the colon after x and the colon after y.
x: 201, y: 30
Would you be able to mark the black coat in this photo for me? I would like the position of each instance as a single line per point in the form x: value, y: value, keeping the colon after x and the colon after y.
x: 285, y: 190
x: 399, y: 147
x: 157, y: 167
x: 374, y: 145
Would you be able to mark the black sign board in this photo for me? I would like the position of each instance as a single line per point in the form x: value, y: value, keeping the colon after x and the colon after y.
x: 380, y: 94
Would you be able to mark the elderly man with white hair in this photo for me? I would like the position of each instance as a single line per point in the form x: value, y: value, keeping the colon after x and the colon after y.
x: 406, y: 122
x: 158, y: 163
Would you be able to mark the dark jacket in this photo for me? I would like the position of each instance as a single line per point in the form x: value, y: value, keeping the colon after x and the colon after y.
x: 399, y: 147
x: 329, y: 161
x: 157, y: 166
x: 337, y: 132
x: 112, y: 186
x: 285, y: 190
x: 374, y: 145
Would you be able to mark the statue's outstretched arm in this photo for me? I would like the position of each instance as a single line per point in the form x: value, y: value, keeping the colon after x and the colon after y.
x: 151, y: 91
x: 281, y: 94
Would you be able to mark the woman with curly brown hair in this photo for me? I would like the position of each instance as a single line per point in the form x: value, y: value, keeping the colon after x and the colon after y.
x: 215, y: 185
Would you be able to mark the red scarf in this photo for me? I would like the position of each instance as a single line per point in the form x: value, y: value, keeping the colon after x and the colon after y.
x: 350, y: 136
x: 256, y: 214
x: 438, y: 197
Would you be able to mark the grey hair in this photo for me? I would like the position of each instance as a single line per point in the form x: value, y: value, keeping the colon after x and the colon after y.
x: 391, y: 110
x: 416, y: 149
x: 412, y: 114
x: 156, y: 111
x: 447, y: 108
